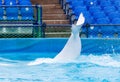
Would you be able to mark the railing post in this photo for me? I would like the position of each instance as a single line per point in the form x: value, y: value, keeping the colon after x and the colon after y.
x: 61, y: 3
x: 39, y: 20
x: 43, y: 30
x: 87, y: 27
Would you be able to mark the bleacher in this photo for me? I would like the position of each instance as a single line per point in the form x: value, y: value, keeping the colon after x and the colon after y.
x: 17, y: 18
x: 10, y: 12
x: 103, y: 16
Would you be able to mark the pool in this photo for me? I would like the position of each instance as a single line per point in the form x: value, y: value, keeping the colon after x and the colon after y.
x: 99, y: 61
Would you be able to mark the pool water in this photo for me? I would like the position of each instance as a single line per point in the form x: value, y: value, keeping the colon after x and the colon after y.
x: 87, y: 68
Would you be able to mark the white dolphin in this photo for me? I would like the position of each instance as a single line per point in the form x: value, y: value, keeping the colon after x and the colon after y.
x: 72, y: 48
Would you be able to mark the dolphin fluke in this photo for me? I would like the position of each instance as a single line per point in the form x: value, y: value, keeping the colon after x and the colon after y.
x: 81, y: 20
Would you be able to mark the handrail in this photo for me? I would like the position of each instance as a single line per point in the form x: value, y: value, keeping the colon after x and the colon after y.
x: 104, y: 24
x: 85, y: 25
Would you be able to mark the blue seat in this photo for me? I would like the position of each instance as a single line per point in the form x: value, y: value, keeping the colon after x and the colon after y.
x: 117, y: 3
x: 116, y: 21
x: 1, y: 2
x: 118, y: 9
x: 94, y: 9
x: 79, y: 9
x: 10, y: 2
x: 113, y: 15
x: 98, y: 15
x: 27, y: 13
x: 103, y: 21
x: 76, y: 4
x: 12, y: 13
x: 25, y: 2
x: 1, y: 13
x: 109, y: 9
x: 88, y: 18
x: 105, y: 3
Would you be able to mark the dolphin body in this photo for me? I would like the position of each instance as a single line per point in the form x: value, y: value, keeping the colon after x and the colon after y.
x: 72, y: 48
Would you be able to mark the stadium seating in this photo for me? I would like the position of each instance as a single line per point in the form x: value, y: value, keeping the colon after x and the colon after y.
x: 94, y: 9
x: 26, y: 12
x: 114, y: 15
x: 109, y: 9
x: 98, y: 15
x: 97, y: 12
x: 14, y: 13
x: 116, y: 3
x: 104, y: 3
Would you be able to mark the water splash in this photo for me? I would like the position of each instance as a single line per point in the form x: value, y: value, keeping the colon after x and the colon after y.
x: 102, y: 60
x: 72, y: 48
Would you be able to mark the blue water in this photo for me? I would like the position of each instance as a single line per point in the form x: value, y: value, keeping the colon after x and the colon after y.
x: 87, y: 68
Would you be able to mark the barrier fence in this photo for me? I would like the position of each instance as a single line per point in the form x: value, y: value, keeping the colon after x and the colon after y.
x: 86, y: 31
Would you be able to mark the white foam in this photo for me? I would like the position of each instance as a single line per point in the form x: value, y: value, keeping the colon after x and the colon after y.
x: 5, y: 64
x: 40, y: 61
x: 104, y: 60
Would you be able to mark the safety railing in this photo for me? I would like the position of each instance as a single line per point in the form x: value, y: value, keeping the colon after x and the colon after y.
x: 101, y: 30
x: 86, y: 31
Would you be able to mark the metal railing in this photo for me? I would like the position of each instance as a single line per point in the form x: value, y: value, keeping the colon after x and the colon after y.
x: 88, y: 30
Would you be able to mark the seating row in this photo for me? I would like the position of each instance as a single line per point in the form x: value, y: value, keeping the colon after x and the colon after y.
x: 103, y: 15
x: 10, y: 11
